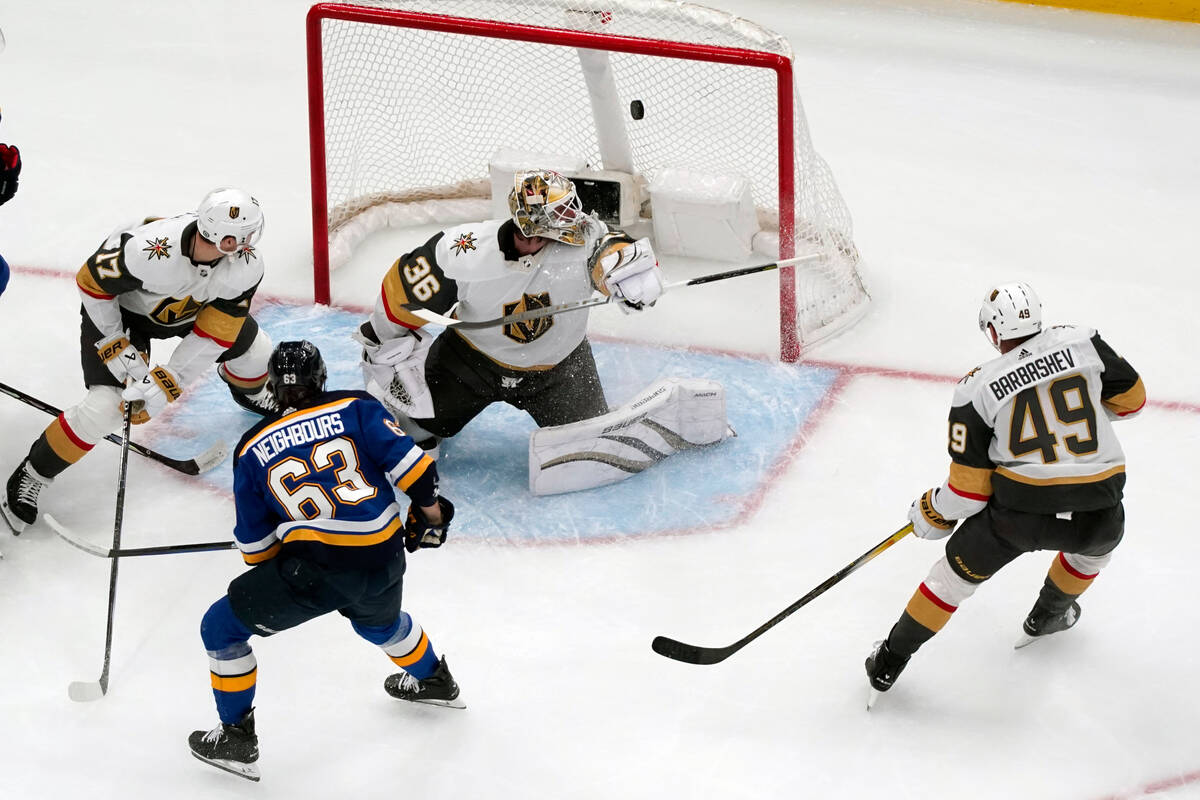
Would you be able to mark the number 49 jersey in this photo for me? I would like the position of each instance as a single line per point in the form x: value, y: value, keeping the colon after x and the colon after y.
x: 321, y: 482
x: 1032, y: 429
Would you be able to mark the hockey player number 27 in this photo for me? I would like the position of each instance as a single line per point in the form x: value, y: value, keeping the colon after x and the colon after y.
x: 1031, y: 430
x: 311, y: 499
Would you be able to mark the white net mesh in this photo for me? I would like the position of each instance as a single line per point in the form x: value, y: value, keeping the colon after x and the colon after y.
x: 414, y: 114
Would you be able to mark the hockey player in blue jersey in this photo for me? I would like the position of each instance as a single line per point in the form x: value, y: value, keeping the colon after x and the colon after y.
x: 315, y: 493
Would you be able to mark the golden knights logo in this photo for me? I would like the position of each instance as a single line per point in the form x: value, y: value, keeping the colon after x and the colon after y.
x: 234, y: 211
x: 172, y: 310
x: 530, y: 329
x: 157, y: 248
x: 464, y: 243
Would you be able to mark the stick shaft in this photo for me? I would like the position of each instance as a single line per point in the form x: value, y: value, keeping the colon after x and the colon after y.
x: 694, y: 654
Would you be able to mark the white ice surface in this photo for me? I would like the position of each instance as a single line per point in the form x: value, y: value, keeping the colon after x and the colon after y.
x: 973, y: 141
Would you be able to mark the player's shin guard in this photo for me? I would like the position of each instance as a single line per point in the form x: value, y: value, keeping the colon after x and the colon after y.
x: 405, y: 643
x: 232, y: 667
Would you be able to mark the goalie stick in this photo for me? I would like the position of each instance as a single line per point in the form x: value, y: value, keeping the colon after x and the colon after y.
x: 190, y: 466
x: 71, y: 538
x: 694, y: 654
x: 547, y: 311
x: 85, y: 691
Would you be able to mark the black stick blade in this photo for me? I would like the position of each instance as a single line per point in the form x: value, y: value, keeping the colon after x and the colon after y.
x: 690, y: 653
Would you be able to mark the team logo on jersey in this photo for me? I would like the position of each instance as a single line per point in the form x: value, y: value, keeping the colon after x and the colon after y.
x: 530, y: 329
x: 464, y: 243
x: 157, y: 248
x: 173, y: 310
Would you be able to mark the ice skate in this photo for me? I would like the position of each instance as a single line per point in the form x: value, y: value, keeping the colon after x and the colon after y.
x: 438, y: 689
x: 259, y: 402
x: 883, y: 667
x: 19, y: 506
x: 233, y: 748
x: 1041, y: 623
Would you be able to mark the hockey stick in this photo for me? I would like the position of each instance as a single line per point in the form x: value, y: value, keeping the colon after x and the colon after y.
x: 547, y: 311
x: 694, y: 654
x: 84, y: 691
x: 75, y: 541
x: 191, y: 466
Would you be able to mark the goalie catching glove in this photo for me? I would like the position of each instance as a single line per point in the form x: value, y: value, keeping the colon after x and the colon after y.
x: 151, y: 394
x: 122, y: 358
x: 927, y: 521
x: 420, y: 532
x: 631, y: 275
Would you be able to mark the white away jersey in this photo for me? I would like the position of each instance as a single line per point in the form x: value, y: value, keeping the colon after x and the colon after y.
x: 468, y: 265
x: 1031, y: 429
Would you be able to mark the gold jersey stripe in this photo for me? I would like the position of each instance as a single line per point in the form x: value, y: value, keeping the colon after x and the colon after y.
x: 222, y: 328
x: 973, y: 480
x: 395, y: 297
x: 343, y: 539
x: 85, y: 281
x: 261, y: 555
x: 416, y: 655
x: 1064, y: 480
x: 537, y: 368
x: 234, y: 683
x: 1128, y: 401
x: 417, y: 470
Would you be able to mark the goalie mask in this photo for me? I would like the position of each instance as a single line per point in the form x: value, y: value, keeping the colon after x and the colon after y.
x: 1010, y: 311
x: 295, y: 373
x: 230, y: 212
x: 544, y: 203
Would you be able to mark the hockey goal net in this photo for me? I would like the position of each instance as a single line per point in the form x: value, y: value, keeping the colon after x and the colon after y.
x: 410, y: 101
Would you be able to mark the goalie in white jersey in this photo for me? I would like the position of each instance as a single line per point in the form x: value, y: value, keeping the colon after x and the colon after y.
x: 1034, y: 465
x: 190, y: 276
x: 548, y: 253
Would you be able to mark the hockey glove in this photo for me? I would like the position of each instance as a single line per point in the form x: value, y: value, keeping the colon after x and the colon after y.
x: 631, y: 275
x: 122, y: 358
x: 419, y: 532
x: 927, y: 522
x: 151, y: 394
x: 10, y: 169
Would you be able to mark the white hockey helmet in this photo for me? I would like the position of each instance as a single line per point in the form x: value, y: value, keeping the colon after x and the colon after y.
x: 1010, y: 311
x: 227, y: 211
x: 544, y: 203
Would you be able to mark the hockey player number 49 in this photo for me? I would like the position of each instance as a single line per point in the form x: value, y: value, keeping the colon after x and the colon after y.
x: 1072, y: 406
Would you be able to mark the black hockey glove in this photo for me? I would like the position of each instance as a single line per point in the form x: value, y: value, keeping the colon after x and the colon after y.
x: 419, y: 532
x: 10, y: 169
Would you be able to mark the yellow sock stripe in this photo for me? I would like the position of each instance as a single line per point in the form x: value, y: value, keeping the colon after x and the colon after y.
x: 234, y: 683
x: 928, y: 610
x: 415, y: 655
x: 1067, y: 580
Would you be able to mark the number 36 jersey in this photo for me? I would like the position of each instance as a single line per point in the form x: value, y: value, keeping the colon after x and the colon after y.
x: 1032, y: 429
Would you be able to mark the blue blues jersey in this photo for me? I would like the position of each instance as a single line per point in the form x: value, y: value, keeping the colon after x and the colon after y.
x: 322, y: 482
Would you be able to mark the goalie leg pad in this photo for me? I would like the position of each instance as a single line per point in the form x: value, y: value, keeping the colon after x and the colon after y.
x: 667, y: 417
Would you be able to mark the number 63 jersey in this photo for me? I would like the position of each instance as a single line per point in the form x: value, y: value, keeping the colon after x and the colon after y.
x: 1032, y: 429
x: 321, y: 481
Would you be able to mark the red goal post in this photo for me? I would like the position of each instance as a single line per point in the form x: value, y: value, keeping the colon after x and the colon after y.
x: 409, y: 99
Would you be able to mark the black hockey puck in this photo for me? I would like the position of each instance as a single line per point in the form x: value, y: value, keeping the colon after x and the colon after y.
x: 637, y: 110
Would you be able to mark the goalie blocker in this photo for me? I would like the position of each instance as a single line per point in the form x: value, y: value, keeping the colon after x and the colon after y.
x: 667, y: 417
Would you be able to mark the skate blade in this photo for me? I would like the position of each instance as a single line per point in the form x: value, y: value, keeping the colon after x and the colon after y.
x: 455, y: 703
x: 85, y: 691
x: 1025, y: 641
x: 14, y: 523
x: 872, y: 696
x: 248, y: 771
